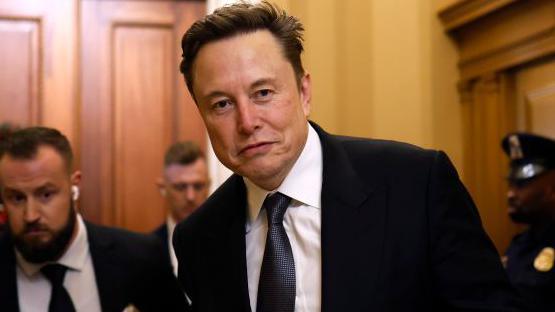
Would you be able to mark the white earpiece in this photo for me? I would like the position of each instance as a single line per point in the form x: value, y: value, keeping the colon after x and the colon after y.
x: 74, y: 192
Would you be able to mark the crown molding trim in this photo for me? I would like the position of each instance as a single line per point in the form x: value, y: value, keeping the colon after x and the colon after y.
x: 466, y: 11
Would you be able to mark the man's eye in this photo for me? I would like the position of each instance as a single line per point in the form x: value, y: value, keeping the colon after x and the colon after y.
x: 199, y: 186
x: 221, y: 104
x: 46, y: 195
x: 521, y: 184
x: 263, y: 94
x: 179, y: 186
x: 15, y: 198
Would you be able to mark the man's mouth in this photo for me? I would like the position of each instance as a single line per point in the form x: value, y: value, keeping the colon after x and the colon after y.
x: 511, y: 209
x: 255, y: 148
x: 31, y: 231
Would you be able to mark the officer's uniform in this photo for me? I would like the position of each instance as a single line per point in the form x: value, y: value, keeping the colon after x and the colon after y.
x: 530, y: 268
x: 529, y: 260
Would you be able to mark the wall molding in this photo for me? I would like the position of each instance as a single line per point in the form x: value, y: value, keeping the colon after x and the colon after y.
x: 466, y: 11
x: 515, y: 53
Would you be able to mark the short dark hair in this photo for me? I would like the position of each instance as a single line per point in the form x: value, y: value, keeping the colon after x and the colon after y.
x: 182, y: 153
x: 24, y: 144
x: 242, y: 18
x: 7, y: 129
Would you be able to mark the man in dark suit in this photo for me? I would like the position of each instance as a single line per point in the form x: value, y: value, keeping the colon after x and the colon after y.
x: 312, y: 221
x: 531, y: 196
x: 52, y: 260
x: 184, y: 185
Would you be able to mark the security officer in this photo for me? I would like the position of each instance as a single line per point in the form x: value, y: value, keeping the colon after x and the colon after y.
x: 531, y: 197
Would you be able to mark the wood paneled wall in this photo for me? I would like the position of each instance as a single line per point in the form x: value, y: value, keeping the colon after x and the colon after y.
x: 38, y: 81
x: 106, y: 74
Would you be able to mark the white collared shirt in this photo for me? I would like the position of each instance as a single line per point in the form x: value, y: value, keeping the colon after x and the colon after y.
x: 170, y: 226
x: 34, y: 289
x: 302, y: 223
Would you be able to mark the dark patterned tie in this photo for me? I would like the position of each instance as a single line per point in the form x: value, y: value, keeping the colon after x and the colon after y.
x: 59, y: 300
x: 276, y: 286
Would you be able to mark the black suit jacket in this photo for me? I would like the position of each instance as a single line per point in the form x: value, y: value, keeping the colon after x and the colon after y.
x: 161, y: 233
x: 399, y: 233
x: 129, y: 269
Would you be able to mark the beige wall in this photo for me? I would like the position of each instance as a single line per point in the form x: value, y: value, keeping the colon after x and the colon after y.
x: 382, y: 68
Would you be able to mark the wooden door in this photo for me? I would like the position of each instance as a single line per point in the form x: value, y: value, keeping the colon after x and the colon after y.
x: 38, y: 84
x: 535, y: 85
x: 134, y: 105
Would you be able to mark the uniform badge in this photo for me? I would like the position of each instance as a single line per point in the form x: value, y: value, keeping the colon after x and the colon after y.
x: 544, y: 260
x: 515, y: 148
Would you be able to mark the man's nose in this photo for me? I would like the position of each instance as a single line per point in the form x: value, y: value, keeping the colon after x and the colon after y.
x: 31, y: 212
x: 247, y: 116
x: 511, y: 194
x: 190, y: 193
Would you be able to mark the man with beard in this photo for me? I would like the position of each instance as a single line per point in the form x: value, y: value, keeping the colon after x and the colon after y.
x: 52, y: 260
x: 530, y: 257
x: 184, y: 186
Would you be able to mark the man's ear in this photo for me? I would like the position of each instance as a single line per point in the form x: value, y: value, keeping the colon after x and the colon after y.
x: 306, y: 93
x: 161, y: 187
x: 75, y: 178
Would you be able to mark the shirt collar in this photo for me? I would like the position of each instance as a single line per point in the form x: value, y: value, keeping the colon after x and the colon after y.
x: 74, y: 257
x: 170, y: 225
x: 303, y: 183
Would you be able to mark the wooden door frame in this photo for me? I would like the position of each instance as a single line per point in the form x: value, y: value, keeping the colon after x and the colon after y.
x: 493, y: 37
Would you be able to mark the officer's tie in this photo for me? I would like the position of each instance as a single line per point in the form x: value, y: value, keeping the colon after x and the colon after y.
x: 276, y: 286
x: 59, y: 300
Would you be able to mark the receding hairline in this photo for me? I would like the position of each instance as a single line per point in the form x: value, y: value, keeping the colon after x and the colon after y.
x: 240, y: 18
x: 42, y: 149
x: 183, y: 153
x: 232, y: 37
x: 198, y: 161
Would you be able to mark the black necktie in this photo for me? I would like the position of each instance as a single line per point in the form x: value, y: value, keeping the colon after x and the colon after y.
x: 276, y: 286
x: 59, y: 300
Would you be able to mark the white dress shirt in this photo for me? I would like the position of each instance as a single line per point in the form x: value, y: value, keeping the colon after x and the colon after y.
x: 170, y: 225
x: 34, y: 289
x: 302, y: 223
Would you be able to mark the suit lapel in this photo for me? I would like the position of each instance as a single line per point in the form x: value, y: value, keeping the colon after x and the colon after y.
x: 237, y: 250
x: 224, y: 241
x: 108, y: 275
x: 8, y: 279
x: 162, y: 233
x: 353, y: 230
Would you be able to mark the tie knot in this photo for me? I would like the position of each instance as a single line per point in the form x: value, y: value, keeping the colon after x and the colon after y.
x: 54, y: 273
x: 276, y: 205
